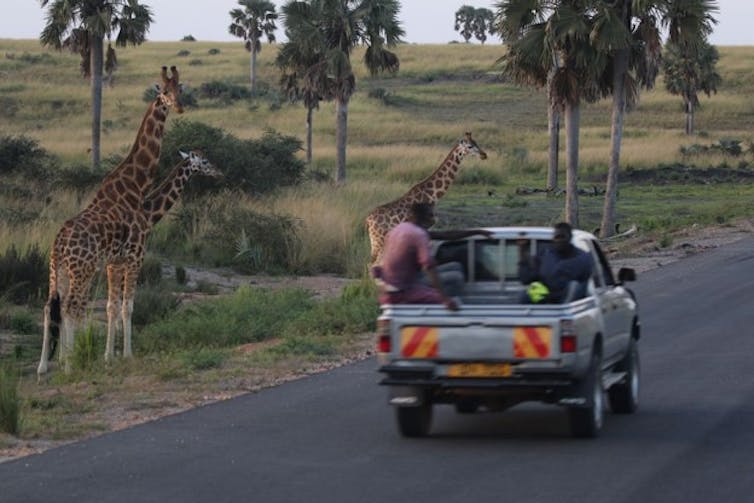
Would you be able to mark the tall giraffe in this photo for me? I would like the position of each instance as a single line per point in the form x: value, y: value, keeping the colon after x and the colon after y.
x: 156, y: 204
x: 101, y: 231
x: 383, y: 218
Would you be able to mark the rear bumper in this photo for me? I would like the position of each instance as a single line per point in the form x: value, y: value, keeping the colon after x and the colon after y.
x: 424, y: 376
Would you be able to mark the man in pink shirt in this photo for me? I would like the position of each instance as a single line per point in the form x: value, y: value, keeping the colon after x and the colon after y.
x: 407, y: 254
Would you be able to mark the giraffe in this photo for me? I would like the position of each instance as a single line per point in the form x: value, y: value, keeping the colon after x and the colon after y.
x: 104, y: 229
x: 383, y: 218
x: 156, y: 204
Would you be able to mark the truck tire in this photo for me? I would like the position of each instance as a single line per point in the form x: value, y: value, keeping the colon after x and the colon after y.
x: 414, y: 421
x: 586, y: 421
x: 624, y: 396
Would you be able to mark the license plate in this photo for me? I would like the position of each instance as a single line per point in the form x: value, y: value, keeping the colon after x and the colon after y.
x: 480, y: 370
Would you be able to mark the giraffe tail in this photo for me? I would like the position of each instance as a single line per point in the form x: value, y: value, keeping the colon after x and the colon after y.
x: 55, y: 319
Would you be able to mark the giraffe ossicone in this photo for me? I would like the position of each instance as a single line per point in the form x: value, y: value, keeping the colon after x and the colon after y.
x: 429, y: 190
x: 107, y: 230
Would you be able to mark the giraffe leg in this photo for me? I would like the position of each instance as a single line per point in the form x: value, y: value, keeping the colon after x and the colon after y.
x: 72, y: 313
x: 115, y: 276
x: 129, y: 292
x: 42, y: 368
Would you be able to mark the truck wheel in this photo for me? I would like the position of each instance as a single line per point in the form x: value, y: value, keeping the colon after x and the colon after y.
x: 414, y: 421
x: 586, y: 422
x: 624, y: 396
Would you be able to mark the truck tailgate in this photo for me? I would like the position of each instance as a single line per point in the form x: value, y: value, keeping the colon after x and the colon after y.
x: 477, y: 342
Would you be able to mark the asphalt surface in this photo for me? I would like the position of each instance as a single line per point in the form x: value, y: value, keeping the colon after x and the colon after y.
x: 332, y: 437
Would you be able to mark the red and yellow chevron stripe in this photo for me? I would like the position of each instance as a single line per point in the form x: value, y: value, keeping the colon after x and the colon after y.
x: 531, y: 342
x: 419, y: 342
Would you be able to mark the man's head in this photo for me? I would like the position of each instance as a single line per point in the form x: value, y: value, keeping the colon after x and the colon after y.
x: 422, y: 214
x: 561, y: 237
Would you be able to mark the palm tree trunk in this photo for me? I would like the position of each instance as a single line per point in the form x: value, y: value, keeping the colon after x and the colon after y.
x: 309, y: 116
x: 553, y: 127
x: 616, y: 137
x: 689, y: 118
x: 253, y: 70
x: 572, y: 118
x: 96, y: 63
x: 341, y: 133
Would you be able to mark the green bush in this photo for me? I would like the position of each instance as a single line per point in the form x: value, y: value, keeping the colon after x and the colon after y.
x: 23, y: 155
x: 152, y: 303
x: 252, y: 166
x: 23, y: 276
x: 224, y: 91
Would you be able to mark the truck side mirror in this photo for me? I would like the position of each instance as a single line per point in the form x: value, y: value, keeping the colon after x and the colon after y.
x: 626, y: 274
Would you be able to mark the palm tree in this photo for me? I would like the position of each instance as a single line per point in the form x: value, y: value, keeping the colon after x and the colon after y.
x: 255, y: 20
x: 82, y: 26
x: 629, y: 33
x: 327, y: 31
x: 549, y: 44
x: 483, y: 24
x: 464, y: 23
x: 687, y: 76
x: 303, y: 79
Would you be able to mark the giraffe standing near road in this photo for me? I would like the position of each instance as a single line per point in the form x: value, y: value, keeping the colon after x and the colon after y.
x: 383, y: 218
x: 107, y: 229
x: 156, y: 204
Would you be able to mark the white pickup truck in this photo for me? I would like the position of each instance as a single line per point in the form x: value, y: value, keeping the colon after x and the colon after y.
x: 495, y: 352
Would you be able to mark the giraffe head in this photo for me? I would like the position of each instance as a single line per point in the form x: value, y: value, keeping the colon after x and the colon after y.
x: 468, y: 146
x: 198, y: 164
x: 169, y: 93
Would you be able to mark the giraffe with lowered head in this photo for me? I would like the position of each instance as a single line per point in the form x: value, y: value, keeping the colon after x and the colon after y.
x: 383, y: 218
x: 106, y: 230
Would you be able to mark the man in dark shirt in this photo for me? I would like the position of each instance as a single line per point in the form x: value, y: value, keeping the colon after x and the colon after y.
x: 556, y: 267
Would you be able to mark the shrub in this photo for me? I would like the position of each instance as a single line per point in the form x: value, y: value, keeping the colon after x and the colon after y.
x: 183, y: 53
x: 224, y: 91
x: 252, y: 166
x: 213, y: 52
x: 188, y: 38
x: 248, y: 241
x: 23, y: 277
x: 151, y: 304
x: 23, y: 155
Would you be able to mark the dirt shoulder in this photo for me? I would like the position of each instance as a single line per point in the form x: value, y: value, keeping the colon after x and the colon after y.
x: 144, y: 398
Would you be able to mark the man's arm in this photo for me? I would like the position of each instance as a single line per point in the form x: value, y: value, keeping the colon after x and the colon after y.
x: 435, y: 281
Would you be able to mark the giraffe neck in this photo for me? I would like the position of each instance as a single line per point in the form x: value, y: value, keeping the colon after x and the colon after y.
x: 132, y: 178
x: 436, y: 185
x: 159, y: 201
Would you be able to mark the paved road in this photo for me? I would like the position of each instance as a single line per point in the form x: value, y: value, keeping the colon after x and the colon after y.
x: 331, y: 438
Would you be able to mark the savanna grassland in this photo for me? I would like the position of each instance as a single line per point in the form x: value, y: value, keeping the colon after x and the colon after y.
x: 400, y: 128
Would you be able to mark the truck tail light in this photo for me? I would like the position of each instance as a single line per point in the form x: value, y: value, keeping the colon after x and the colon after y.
x: 567, y: 337
x: 383, y: 336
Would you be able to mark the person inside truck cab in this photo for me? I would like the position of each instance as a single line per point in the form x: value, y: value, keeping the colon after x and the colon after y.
x: 408, y: 273
x: 551, y: 273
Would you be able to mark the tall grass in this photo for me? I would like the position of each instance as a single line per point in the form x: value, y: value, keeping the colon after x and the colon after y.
x: 10, y: 406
